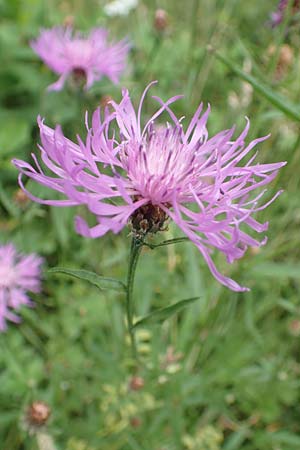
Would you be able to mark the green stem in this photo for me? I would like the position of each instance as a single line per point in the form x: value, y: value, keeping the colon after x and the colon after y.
x: 136, y: 246
x: 194, y: 27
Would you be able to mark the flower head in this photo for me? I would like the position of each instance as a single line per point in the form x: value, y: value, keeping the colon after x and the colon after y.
x: 277, y: 16
x: 145, y: 175
x: 85, y: 58
x: 18, y: 274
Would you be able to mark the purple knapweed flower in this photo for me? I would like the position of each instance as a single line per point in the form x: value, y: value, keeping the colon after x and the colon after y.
x: 277, y: 16
x: 144, y: 175
x: 85, y: 58
x: 18, y: 274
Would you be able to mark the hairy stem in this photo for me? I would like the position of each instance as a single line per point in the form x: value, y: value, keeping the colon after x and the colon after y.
x: 136, y: 246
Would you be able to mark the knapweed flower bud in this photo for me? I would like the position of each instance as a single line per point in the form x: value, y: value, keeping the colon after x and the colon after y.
x: 294, y: 327
x: 69, y: 21
x: 136, y: 383
x: 135, y: 422
x: 161, y: 20
x: 38, y: 414
x: 20, y: 198
x: 105, y: 101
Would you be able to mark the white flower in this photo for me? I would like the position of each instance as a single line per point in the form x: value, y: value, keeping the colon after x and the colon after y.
x: 120, y: 7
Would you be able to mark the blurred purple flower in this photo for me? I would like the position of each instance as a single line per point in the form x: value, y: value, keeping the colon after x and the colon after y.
x: 145, y: 175
x: 277, y: 16
x: 18, y: 274
x: 85, y: 58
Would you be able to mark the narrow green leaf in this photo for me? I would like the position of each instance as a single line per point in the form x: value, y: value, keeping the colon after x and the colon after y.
x: 276, y: 99
x: 162, y: 314
x: 7, y: 202
x: 236, y: 439
x: 91, y: 277
x: 287, y: 439
x: 10, y: 141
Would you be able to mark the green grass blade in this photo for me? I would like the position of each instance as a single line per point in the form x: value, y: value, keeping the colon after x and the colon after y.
x: 276, y: 99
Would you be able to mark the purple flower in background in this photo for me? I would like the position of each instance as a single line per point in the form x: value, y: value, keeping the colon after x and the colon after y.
x: 145, y: 175
x: 18, y: 274
x: 85, y: 58
x: 277, y: 16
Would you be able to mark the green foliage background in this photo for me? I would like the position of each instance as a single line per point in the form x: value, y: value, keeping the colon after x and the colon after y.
x: 224, y: 372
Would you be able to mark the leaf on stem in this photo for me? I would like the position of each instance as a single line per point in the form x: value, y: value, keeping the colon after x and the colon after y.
x: 162, y: 314
x: 92, y: 278
x: 167, y: 242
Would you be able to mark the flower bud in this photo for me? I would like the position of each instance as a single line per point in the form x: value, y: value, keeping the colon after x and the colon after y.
x: 161, y: 20
x: 136, y: 383
x: 38, y: 413
x: 135, y: 422
x: 105, y: 101
x: 68, y: 21
x: 21, y: 198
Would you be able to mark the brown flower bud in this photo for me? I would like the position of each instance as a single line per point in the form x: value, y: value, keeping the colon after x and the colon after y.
x: 21, y: 198
x: 255, y: 250
x: 38, y: 413
x: 161, y: 20
x: 104, y: 102
x: 135, y: 422
x: 294, y: 327
x: 68, y: 21
x: 286, y: 55
x: 136, y: 383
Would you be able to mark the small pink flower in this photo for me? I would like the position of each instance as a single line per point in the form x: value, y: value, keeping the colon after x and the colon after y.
x: 143, y: 175
x: 278, y: 15
x: 72, y: 54
x: 18, y: 274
